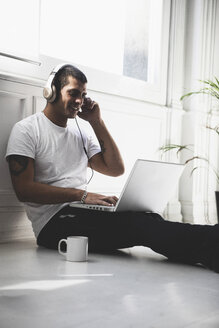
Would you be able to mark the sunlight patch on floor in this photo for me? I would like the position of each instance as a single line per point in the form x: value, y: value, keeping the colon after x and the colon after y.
x: 44, y: 284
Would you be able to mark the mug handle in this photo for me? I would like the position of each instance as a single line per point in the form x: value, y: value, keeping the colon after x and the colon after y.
x: 59, y: 246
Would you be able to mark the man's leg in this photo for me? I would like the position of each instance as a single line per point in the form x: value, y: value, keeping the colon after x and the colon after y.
x: 107, y: 231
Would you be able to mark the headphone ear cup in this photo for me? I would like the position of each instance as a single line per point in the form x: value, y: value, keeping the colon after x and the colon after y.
x: 47, y: 92
x: 53, y: 94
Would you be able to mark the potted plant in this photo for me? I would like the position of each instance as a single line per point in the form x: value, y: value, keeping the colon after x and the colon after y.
x: 210, y: 88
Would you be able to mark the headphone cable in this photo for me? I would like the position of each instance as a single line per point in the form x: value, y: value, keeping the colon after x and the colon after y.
x: 92, y: 171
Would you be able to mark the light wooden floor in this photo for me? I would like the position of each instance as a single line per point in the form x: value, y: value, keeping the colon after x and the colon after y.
x: 130, y: 288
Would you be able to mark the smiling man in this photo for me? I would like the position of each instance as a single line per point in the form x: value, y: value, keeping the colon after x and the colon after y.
x: 48, y: 160
x: 72, y: 95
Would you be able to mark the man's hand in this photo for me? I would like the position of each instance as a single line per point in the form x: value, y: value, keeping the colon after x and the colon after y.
x: 98, y: 199
x: 90, y: 111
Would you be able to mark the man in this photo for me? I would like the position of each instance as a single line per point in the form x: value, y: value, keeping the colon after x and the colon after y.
x: 48, y: 158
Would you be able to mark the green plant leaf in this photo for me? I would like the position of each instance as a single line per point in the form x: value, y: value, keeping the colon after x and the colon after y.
x: 212, y: 84
x: 217, y: 81
x: 212, y: 90
x: 174, y: 146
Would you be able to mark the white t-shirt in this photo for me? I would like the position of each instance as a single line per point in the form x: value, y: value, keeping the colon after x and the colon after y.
x: 58, y: 156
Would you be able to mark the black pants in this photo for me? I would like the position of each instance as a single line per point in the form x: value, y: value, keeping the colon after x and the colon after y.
x: 115, y: 230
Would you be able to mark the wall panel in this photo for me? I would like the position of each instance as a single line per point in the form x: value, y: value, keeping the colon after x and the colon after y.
x: 16, y: 102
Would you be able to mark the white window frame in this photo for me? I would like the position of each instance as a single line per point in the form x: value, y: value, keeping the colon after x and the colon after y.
x: 104, y: 82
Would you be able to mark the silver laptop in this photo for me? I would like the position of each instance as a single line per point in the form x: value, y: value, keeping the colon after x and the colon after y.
x: 149, y: 187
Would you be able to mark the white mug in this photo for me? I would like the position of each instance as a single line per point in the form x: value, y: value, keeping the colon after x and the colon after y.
x: 76, y: 248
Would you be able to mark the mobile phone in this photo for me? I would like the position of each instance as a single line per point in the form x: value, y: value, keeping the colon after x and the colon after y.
x: 87, y: 103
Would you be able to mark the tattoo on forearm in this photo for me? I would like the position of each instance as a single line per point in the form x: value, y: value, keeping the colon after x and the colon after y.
x: 17, y: 164
x: 103, y: 149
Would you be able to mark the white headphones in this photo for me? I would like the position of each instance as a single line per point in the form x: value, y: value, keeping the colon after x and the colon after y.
x: 49, y: 91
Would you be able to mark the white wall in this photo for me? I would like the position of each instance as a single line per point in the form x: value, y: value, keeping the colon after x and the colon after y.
x: 201, y: 63
x: 138, y: 127
x: 17, y: 100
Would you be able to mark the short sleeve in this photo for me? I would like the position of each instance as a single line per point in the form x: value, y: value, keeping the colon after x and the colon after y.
x: 21, y: 141
x: 93, y: 147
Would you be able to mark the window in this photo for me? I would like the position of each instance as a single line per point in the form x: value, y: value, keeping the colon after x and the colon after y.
x: 122, y: 45
x: 19, y: 25
x: 111, y: 36
x: 115, y: 36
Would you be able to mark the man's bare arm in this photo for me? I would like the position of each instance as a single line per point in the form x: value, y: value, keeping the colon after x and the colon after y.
x: 27, y: 190
x: 109, y: 160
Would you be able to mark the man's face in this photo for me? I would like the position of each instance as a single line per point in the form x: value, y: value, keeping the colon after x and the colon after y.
x: 71, y: 98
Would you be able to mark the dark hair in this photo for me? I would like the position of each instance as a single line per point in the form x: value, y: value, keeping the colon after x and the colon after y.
x: 62, y: 77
